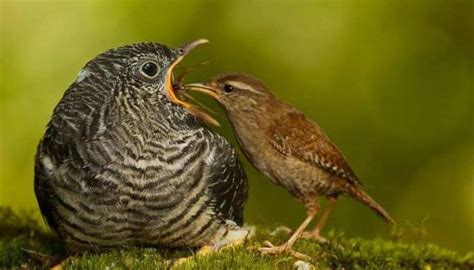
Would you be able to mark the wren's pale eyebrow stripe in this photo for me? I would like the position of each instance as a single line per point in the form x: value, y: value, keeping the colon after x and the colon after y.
x: 292, y: 151
x: 242, y: 85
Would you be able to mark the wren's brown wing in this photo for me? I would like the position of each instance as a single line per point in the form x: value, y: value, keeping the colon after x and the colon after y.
x: 294, y: 135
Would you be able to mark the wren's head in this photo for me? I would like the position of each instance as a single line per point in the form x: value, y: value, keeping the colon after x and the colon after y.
x: 237, y: 93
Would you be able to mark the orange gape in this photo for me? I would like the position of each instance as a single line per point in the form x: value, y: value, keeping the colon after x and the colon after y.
x: 170, y: 91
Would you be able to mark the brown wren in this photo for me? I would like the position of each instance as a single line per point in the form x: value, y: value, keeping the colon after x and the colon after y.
x: 288, y: 148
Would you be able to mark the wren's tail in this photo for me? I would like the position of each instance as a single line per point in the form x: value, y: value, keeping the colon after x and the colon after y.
x: 363, y: 197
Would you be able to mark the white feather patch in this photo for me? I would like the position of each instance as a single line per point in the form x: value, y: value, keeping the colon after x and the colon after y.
x: 83, y: 73
x: 47, y: 163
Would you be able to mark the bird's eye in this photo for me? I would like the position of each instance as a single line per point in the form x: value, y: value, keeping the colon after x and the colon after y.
x: 149, y: 69
x: 228, y: 88
x: 180, y: 51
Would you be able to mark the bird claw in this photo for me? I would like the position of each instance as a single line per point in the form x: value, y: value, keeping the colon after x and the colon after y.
x: 275, y: 250
x: 314, y: 235
x: 268, y: 244
x: 272, y: 249
x: 203, y: 251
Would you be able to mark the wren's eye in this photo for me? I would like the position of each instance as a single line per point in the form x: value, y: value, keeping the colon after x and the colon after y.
x: 228, y: 88
x: 149, y: 69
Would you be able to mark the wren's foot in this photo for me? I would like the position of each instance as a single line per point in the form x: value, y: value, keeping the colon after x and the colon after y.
x: 275, y: 250
x: 314, y: 235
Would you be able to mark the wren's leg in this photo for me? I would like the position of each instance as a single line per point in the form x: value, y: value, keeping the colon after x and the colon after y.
x: 312, y: 209
x: 315, y: 233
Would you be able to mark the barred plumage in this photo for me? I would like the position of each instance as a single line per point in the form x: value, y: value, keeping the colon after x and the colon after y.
x: 120, y: 164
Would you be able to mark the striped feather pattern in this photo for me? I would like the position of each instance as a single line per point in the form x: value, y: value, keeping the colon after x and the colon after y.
x: 121, y: 165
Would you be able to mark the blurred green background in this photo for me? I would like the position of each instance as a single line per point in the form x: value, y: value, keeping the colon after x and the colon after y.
x: 391, y: 82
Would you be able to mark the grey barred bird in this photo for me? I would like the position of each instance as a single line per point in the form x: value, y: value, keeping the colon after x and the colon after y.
x: 124, y: 163
x: 288, y: 148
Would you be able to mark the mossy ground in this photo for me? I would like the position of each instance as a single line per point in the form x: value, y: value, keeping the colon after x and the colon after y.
x: 24, y: 244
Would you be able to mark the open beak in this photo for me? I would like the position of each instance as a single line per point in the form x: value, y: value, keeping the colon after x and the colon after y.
x: 199, y: 87
x: 185, y: 49
x: 170, y: 91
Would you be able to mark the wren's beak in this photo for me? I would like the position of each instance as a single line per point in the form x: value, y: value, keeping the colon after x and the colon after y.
x: 170, y: 91
x: 199, y: 87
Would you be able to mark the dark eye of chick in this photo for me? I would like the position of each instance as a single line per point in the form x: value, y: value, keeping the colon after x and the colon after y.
x: 228, y: 88
x: 149, y: 69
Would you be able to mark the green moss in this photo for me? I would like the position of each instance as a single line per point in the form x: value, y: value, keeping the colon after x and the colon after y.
x: 24, y: 244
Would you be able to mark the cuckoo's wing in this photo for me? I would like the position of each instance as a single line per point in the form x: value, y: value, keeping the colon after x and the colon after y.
x: 49, y: 151
x: 293, y: 134
x: 229, y: 184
